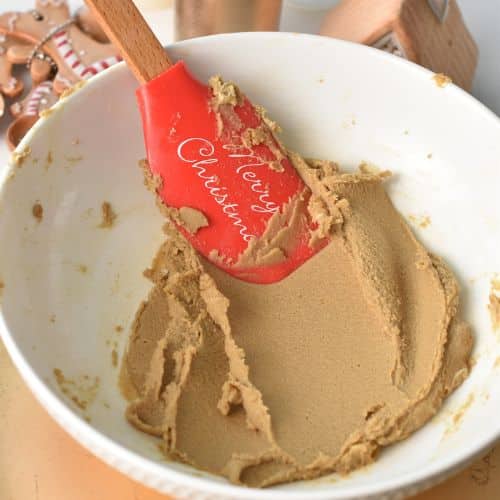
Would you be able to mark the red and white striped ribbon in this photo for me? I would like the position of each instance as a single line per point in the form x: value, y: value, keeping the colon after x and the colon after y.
x: 33, y: 104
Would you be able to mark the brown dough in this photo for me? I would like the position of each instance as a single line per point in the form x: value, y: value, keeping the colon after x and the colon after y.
x: 192, y: 219
x: 108, y: 216
x: 266, y: 384
x: 494, y: 304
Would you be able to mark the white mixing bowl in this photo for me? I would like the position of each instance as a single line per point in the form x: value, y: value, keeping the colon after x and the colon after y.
x: 68, y: 283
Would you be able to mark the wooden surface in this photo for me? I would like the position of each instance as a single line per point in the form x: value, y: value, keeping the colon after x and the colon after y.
x: 445, y: 47
x: 127, y: 29
x: 39, y: 461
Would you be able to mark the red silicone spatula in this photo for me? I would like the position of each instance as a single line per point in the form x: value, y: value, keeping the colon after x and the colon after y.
x: 237, y: 186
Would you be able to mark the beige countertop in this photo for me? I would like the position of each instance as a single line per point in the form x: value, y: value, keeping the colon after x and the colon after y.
x: 39, y: 461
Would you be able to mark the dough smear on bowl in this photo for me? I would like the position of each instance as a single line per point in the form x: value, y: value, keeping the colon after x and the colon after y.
x: 265, y: 384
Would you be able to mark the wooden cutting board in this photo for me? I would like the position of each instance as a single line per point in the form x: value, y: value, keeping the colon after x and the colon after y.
x: 39, y: 461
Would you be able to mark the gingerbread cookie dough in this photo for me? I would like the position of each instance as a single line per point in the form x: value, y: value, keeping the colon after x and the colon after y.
x: 494, y: 304
x: 265, y: 384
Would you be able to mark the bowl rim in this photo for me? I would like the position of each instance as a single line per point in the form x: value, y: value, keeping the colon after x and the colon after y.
x: 154, y: 474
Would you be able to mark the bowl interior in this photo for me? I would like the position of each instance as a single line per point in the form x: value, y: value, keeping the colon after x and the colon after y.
x: 71, y: 288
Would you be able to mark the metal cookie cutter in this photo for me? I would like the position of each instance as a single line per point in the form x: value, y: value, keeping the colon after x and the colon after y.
x: 206, y: 17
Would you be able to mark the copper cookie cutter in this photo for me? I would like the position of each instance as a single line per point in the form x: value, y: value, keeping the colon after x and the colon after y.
x: 194, y: 18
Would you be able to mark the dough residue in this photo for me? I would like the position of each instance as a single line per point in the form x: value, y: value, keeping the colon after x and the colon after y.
x: 192, y: 219
x: 273, y: 246
x: 441, y: 79
x: 82, y: 268
x: 45, y: 113
x: 71, y: 90
x: 153, y: 182
x: 49, y: 160
x: 108, y: 216
x: 225, y: 97
x: 265, y: 384
x: 421, y: 221
x: 459, y: 414
x: 19, y: 157
x: 37, y: 211
x: 82, y: 390
x: 114, y: 357
x: 494, y: 304
x: 370, y: 168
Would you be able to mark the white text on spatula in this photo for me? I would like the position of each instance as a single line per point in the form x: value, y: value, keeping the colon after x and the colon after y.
x: 206, y: 150
x: 241, y: 152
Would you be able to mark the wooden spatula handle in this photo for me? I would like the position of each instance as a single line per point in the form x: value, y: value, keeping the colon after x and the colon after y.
x: 130, y: 33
